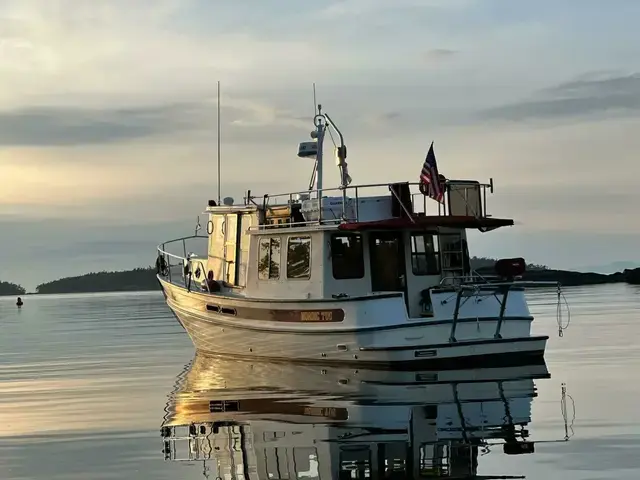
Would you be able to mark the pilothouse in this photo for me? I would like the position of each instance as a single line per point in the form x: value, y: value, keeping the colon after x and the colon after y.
x: 374, y: 274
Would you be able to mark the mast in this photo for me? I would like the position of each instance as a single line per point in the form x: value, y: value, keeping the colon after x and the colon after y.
x: 322, y: 122
x: 218, y: 142
x: 319, y: 134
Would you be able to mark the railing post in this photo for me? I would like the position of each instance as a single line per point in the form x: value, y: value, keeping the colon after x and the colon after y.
x: 461, y: 416
x: 484, y: 200
x: 456, y: 312
x: 357, y: 206
x: 503, y: 307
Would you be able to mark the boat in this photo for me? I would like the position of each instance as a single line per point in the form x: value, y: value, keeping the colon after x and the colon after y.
x: 374, y: 274
x: 257, y: 420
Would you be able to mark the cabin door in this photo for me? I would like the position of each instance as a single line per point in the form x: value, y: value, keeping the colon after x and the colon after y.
x: 231, y: 230
x: 386, y: 252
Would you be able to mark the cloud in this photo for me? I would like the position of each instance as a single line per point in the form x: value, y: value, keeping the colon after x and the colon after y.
x: 70, y: 247
x: 108, y: 53
x: 562, y: 249
x: 364, y: 7
x: 585, y: 96
x: 55, y: 126
x: 572, y: 208
x: 382, y: 119
x: 255, y: 114
x: 69, y: 125
x: 438, y: 54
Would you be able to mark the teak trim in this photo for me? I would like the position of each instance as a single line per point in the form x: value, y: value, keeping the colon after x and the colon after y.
x: 329, y: 315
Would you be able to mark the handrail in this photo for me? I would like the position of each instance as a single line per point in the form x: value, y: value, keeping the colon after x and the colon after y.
x: 468, y: 281
x: 352, y: 202
x: 335, y: 189
x: 180, y: 239
x: 191, y: 259
x: 265, y: 226
x: 366, y: 185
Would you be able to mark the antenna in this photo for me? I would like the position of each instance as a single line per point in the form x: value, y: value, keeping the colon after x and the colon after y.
x: 315, y: 103
x: 218, y: 142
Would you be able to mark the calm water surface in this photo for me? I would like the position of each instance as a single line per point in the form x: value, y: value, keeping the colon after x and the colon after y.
x: 86, y: 382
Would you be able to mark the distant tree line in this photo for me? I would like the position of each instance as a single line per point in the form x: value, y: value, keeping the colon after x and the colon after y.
x: 487, y: 263
x: 8, y: 288
x: 128, y: 280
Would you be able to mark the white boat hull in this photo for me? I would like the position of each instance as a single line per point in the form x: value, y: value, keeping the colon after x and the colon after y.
x: 399, y: 343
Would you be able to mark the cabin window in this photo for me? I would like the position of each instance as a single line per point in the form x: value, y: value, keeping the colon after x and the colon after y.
x: 355, y: 461
x: 454, y: 252
x: 269, y: 258
x: 425, y: 254
x: 299, y: 257
x: 347, y: 257
x: 276, y: 460
x: 305, y: 460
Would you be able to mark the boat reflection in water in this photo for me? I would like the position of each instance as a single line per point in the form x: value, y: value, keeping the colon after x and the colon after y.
x: 286, y: 421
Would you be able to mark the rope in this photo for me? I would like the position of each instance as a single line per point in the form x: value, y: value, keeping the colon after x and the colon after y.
x: 561, y: 298
x: 563, y: 406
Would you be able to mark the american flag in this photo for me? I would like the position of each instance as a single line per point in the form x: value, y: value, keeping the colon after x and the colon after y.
x: 430, y: 176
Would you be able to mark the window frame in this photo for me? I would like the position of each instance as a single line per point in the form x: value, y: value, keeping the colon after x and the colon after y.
x: 309, y: 237
x: 453, y: 254
x: 415, y: 254
x: 361, y: 259
x: 343, y: 463
x: 270, y: 240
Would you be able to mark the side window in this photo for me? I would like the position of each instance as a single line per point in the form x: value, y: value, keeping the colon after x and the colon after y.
x: 451, y: 251
x: 299, y: 257
x: 347, y: 257
x: 269, y: 258
x: 425, y: 255
x: 355, y: 459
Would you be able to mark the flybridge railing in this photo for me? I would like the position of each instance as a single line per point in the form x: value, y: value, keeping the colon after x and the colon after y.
x: 461, y: 197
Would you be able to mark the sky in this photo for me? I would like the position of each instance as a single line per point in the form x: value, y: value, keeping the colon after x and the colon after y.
x: 108, y: 117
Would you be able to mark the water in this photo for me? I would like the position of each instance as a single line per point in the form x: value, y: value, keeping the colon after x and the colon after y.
x: 86, y: 381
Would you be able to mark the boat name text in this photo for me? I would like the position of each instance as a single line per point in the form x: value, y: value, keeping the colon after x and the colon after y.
x: 316, y: 316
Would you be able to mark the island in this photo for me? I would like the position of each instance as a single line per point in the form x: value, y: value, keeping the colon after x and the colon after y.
x: 8, y: 288
x: 567, y: 278
x: 138, y: 279
x: 141, y: 279
x: 632, y: 276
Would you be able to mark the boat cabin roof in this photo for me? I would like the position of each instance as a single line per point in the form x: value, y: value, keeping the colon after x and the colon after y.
x: 424, y: 221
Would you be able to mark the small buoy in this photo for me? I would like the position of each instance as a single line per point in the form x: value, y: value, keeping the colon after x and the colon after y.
x: 19, y: 302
